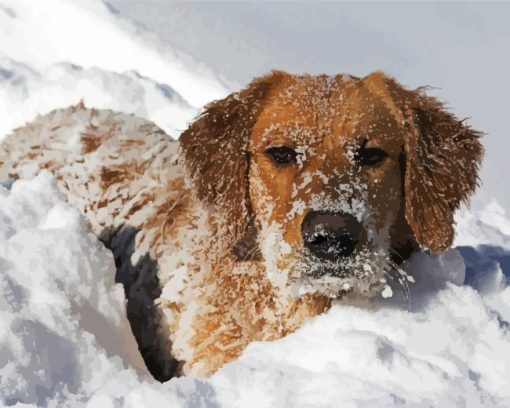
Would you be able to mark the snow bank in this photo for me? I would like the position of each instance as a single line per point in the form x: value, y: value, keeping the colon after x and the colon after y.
x: 56, y: 53
x: 64, y: 338
x: 453, y: 353
x: 90, y: 34
x: 64, y: 329
x: 27, y: 92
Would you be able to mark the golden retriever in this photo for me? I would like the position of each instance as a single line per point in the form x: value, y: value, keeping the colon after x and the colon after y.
x: 277, y: 199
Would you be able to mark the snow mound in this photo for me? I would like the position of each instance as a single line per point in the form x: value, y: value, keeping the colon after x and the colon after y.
x: 454, y: 353
x: 487, y: 226
x: 64, y: 338
x: 27, y: 92
x: 64, y: 328
x: 89, y: 33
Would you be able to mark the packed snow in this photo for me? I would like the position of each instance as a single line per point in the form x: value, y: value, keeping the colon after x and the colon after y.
x: 64, y: 336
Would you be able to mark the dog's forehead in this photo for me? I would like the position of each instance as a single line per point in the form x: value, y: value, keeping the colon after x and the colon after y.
x: 311, y: 108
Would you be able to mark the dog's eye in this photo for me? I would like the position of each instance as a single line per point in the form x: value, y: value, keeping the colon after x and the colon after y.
x: 368, y: 156
x: 282, y: 154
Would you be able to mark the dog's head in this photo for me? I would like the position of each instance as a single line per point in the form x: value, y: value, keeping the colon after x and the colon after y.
x: 340, y: 178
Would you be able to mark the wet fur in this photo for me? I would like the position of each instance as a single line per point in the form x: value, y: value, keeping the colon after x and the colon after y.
x: 186, y: 220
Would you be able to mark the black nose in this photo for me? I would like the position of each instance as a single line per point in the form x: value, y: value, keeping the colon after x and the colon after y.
x: 330, y: 235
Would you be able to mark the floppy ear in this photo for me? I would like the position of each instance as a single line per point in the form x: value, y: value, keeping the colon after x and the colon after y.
x: 442, y: 158
x: 215, y: 152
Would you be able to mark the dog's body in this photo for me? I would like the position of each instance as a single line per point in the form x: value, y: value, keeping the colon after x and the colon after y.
x: 290, y: 193
x: 122, y: 173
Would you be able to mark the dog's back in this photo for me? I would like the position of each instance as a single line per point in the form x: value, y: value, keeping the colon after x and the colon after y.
x: 99, y: 157
x: 121, y: 172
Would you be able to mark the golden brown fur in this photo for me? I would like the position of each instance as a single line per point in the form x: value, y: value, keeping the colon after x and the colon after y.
x: 209, y: 242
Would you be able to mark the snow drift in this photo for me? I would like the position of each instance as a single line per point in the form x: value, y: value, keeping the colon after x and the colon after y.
x: 64, y: 338
x: 89, y: 34
x: 27, y: 92
x: 60, y: 52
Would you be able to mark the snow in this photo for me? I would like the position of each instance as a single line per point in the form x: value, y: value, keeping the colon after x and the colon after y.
x: 57, y: 53
x: 61, y: 315
x: 64, y: 337
x: 88, y: 34
x: 384, y: 358
x: 28, y: 92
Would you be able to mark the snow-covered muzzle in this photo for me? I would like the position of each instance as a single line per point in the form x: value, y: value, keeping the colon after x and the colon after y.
x: 323, y: 257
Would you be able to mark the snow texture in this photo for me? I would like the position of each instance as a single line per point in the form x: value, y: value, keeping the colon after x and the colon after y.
x: 28, y: 92
x: 55, y: 55
x: 64, y: 337
x: 88, y: 34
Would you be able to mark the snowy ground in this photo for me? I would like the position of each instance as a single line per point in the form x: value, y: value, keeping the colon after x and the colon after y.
x: 64, y: 338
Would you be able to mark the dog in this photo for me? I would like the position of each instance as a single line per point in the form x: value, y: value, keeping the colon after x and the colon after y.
x: 277, y: 200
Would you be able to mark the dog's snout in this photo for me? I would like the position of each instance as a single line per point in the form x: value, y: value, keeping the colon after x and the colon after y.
x: 330, y: 235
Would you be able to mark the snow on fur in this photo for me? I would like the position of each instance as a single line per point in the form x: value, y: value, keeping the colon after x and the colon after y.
x: 64, y: 338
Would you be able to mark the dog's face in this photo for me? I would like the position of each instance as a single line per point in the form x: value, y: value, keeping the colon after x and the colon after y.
x: 325, y: 183
x: 341, y: 177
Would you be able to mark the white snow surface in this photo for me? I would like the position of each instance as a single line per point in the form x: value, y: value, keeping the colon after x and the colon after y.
x: 27, y: 92
x: 58, y: 52
x: 88, y: 34
x: 65, y: 340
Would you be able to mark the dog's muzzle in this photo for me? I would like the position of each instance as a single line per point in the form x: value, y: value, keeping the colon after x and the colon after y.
x: 330, y: 235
